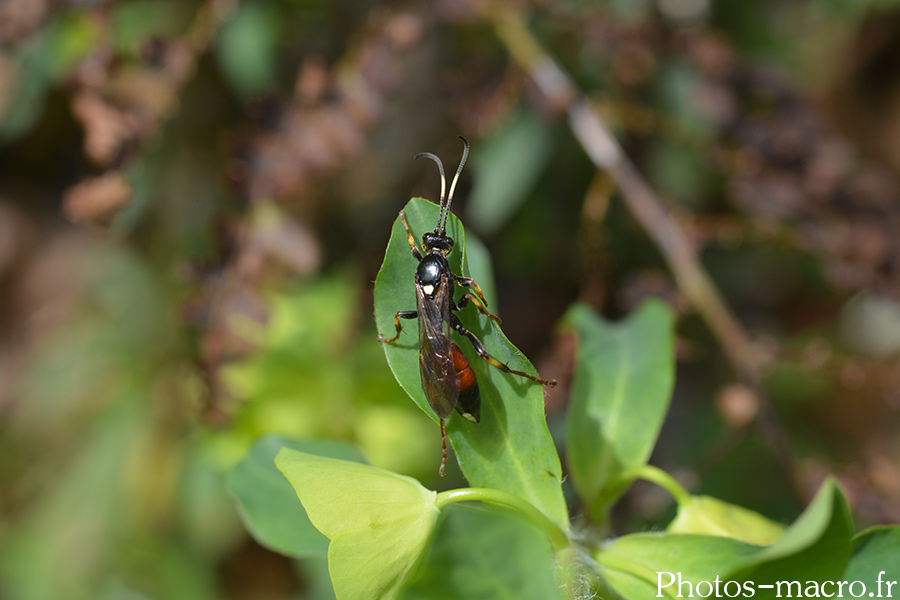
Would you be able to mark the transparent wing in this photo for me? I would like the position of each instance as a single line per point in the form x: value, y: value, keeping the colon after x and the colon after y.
x: 439, y: 380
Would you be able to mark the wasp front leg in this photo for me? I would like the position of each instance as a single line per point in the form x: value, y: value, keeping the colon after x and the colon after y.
x: 464, y: 301
x: 483, y: 353
x: 410, y: 238
x: 401, y: 314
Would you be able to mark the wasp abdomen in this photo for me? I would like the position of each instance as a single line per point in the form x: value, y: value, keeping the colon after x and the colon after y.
x: 463, y: 371
x: 469, y: 405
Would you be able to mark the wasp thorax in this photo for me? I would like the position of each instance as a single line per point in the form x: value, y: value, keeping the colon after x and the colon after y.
x: 435, y: 240
x: 431, y: 271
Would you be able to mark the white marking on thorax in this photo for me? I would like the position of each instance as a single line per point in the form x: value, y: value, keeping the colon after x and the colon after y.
x: 428, y: 289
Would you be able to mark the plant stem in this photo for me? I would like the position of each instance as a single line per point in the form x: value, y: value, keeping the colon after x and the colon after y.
x: 660, y: 478
x: 557, y: 536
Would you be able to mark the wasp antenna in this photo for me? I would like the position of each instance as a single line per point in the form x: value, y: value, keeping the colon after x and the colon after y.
x: 459, y: 169
x: 443, y: 179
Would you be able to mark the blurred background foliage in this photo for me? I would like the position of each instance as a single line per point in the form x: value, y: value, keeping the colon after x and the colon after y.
x: 195, y: 197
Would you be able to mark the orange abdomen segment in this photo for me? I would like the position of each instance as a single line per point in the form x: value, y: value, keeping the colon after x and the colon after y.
x: 463, y: 371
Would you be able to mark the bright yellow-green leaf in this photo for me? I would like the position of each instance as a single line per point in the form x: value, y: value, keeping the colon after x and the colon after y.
x: 711, y: 516
x: 378, y: 522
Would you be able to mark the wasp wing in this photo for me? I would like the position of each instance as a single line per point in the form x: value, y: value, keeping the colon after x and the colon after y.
x: 439, y: 380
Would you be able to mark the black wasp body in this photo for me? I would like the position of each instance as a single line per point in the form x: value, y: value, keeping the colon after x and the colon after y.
x: 447, y: 378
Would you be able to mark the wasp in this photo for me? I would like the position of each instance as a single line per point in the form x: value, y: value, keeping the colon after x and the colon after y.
x: 447, y: 377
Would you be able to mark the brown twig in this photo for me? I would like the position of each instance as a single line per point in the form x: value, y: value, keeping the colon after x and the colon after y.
x: 647, y: 208
x: 606, y: 153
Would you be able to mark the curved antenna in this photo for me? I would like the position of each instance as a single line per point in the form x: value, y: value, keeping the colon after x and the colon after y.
x: 443, y: 179
x: 446, y: 209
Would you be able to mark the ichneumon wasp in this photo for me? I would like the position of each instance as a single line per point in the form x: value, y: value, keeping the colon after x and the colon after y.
x: 447, y: 378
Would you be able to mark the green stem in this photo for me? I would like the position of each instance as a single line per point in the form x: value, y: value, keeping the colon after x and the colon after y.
x: 660, y: 478
x: 626, y: 565
x: 490, y: 496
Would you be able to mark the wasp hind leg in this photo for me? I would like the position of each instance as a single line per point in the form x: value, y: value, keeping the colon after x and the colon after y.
x: 482, y: 352
x: 443, y: 448
x: 401, y: 314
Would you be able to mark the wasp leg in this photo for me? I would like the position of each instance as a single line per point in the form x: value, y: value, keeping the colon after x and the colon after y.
x: 482, y: 352
x: 469, y: 282
x: 410, y: 238
x: 443, y: 448
x: 470, y: 298
x: 401, y: 314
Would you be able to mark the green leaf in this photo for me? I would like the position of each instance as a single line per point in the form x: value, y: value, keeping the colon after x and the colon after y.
x: 640, y: 566
x: 247, y: 48
x: 623, y: 382
x: 815, y: 548
x: 507, y: 167
x: 478, y: 261
x: 378, y: 522
x: 269, y: 506
x: 874, y: 559
x: 711, y: 516
x: 479, y: 554
x: 511, y: 449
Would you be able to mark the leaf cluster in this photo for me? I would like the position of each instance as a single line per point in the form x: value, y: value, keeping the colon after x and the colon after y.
x: 388, y: 536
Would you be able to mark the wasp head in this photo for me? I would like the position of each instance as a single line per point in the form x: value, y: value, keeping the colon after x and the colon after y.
x: 436, y: 241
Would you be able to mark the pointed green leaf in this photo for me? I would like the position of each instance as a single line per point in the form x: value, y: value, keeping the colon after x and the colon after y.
x: 378, y: 522
x: 874, y: 559
x: 642, y: 565
x: 479, y: 554
x: 268, y: 505
x: 711, y: 516
x: 620, y: 393
x: 815, y: 548
x: 511, y: 449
